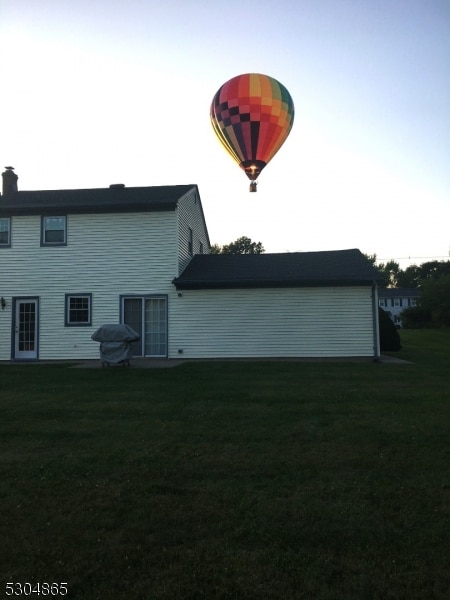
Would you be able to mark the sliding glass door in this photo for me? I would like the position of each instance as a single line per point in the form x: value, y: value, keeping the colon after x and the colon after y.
x: 148, y: 316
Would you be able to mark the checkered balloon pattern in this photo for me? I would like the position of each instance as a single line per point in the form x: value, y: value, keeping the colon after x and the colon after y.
x: 252, y: 116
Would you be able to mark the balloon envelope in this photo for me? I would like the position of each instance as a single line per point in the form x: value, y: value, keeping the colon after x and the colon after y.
x: 252, y: 115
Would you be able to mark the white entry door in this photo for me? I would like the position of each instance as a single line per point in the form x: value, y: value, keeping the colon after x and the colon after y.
x: 26, y: 328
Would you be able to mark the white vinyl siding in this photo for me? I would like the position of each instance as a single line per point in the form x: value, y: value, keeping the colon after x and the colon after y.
x: 108, y: 254
x: 276, y: 322
x: 192, y: 233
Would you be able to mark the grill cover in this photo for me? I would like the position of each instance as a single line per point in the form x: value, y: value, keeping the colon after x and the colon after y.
x: 115, y: 342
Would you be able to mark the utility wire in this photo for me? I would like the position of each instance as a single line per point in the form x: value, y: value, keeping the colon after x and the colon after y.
x: 411, y: 257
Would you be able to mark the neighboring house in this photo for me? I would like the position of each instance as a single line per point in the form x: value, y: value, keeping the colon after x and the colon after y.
x: 395, y: 300
x: 72, y: 260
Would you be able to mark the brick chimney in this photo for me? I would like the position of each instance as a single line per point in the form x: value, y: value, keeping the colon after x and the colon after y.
x: 9, y: 181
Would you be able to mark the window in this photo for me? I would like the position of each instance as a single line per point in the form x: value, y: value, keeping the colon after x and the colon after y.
x: 78, y: 309
x: 382, y: 302
x: 191, y: 242
x: 5, y: 231
x: 396, y: 302
x: 53, y: 231
x: 412, y: 302
x: 201, y: 248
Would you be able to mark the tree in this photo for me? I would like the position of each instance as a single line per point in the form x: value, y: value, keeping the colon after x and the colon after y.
x: 415, y: 317
x: 413, y: 275
x: 391, y: 275
x: 390, y: 272
x: 434, y: 269
x: 372, y: 258
x: 435, y: 298
x: 410, y: 277
x: 433, y: 309
x: 242, y: 245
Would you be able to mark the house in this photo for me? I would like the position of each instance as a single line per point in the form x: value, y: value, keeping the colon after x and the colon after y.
x: 395, y: 300
x: 72, y: 260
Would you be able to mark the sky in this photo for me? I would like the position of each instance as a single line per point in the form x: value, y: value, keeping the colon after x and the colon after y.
x: 96, y: 92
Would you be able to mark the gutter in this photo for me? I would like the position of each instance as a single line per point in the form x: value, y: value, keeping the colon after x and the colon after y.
x: 375, y: 323
x: 201, y: 284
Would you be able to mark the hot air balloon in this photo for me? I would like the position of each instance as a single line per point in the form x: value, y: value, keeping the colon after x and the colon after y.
x: 252, y: 116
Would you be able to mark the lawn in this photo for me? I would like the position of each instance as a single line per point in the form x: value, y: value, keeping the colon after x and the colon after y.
x: 230, y: 480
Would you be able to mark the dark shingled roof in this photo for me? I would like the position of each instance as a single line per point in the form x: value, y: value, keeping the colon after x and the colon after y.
x: 335, y: 268
x: 399, y: 292
x: 100, y: 200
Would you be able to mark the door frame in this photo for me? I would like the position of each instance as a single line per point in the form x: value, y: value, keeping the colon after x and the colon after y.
x: 34, y: 355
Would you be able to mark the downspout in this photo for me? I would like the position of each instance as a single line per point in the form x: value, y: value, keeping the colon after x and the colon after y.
x: 375, y: 322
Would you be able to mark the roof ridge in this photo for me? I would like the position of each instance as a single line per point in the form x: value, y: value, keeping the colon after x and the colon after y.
x: 113, y: 188
x: 280, y: 269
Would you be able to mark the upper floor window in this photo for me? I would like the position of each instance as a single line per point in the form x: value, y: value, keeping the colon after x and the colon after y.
x: 78, y: 309
x: 191, y: 242
x: 54, y: 231
x: 396, y: 302
x: 5, y: 231
x: 382, y: 302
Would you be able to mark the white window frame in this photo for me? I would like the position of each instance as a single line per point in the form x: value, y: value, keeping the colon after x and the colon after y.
x: 44, y: 229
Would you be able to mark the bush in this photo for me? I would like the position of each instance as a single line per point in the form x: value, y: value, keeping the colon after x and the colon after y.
x: 389, y: 336
x: 416, y: 317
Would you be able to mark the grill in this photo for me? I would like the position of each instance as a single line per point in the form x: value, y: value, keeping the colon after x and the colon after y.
x: 115, y: 343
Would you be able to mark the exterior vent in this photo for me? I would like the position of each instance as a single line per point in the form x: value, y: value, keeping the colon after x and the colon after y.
x: 117, y: 186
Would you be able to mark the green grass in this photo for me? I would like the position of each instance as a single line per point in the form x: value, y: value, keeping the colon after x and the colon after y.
x: 231, y: 480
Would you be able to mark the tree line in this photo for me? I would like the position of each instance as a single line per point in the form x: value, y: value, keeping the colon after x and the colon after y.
x: 243, y: 245
x: 433, y: 280
x: 391, y: 275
